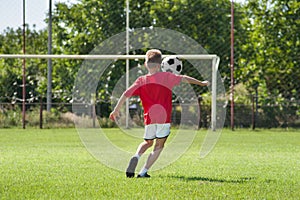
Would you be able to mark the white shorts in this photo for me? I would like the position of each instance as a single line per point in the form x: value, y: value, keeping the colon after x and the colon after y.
x: 153, y: 131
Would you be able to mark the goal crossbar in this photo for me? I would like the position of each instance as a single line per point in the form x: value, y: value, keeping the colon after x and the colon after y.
x: 215, y: 64
x: 102, y: 57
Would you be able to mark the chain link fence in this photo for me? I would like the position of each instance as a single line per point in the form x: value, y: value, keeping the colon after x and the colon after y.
x: 266, y: 59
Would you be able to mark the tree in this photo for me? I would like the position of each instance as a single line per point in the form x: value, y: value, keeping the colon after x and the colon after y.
x: 11, y: 42
x: 270, y: 55
x: 269, y: 59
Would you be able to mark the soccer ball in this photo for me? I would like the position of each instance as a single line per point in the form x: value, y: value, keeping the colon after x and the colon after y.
x: 171, y: 64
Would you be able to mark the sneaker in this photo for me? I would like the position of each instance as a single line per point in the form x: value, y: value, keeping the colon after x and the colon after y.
x: 131, y: 167
x: 144, y: 176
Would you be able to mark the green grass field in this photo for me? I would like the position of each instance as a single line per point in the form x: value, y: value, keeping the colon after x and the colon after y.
x: 53, y: 164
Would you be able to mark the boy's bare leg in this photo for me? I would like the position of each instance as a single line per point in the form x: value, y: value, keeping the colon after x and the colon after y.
x: 134, y: 160
x: 159, y: 145
x: 143, y: 147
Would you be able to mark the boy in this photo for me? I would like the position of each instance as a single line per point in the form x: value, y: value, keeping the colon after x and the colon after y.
x: 155, y: 92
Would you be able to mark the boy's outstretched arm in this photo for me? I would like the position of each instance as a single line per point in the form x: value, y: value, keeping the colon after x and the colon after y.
x: 116, y: 112
x: 191, y: 80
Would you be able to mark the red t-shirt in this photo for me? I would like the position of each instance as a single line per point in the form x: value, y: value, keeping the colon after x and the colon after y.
x: 155, y: 92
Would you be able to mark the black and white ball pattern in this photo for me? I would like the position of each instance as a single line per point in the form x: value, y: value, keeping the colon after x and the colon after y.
x: 171, y: 64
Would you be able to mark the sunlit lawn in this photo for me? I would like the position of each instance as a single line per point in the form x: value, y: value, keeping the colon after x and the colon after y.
x: 54, y: 164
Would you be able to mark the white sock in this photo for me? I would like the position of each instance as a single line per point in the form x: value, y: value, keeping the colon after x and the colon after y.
x: 137, y: 156
x: 143, y: 171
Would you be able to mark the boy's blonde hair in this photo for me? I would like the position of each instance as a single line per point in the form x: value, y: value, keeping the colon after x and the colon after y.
x: 153, y: 58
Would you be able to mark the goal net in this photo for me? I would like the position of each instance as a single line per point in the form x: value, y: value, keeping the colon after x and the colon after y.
x: 106, y: 60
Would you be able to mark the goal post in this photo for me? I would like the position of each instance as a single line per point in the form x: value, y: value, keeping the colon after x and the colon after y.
x: 214, y: 64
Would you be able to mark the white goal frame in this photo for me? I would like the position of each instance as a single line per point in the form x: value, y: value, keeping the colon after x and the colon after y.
x: 214, y: 58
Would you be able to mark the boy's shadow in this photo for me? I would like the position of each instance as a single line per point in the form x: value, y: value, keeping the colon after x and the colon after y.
x: 212, y: 180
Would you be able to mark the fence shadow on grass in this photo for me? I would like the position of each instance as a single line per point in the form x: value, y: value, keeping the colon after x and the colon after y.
x: 212, y: 180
